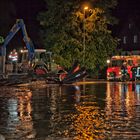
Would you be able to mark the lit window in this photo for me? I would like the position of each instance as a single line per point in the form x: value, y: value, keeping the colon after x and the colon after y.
x: 130, y: 25
x: 135, y: 38
x: 124, y: 40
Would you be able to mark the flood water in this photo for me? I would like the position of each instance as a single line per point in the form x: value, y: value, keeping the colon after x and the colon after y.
x: 98, y: 111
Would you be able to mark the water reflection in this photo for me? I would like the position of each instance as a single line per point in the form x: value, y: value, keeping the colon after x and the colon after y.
x: 89, y: 123
x: 52, y: 110
x: 16, y: 117
x: 93, y: 112
x: 121, y: 109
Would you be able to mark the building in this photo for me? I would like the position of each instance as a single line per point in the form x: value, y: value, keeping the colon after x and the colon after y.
x: 129, y: 38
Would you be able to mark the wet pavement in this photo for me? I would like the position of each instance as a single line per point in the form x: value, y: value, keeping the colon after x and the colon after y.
x: 95, y: 111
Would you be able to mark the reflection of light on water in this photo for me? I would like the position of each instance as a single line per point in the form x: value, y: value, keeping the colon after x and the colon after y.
x: 88, y: 124
x: 13, y: 113
x: 113, y: 98
x: 137, y: 88
x: 138, y: 93
x: 25, y: 106
x: 77, y: 93
x: 120, y: 99
x: 109, y: 100
x: 68, y: 113
x: 121, y: 108
x: 25, y: 110
x: 12, y: 108
x: 130, y: 101
x: 19, y: 112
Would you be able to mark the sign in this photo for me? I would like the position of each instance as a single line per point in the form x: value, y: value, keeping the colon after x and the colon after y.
x: 1, y: 39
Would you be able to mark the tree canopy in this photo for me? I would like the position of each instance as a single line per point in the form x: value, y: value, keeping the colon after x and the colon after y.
x: 65, y: 24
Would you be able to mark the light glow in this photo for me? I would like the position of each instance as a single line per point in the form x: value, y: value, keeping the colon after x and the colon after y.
x: 86, y: 7
x: 108, y: 61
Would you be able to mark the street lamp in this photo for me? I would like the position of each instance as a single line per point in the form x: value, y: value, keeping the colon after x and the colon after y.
x: 108, y: 61
x: 84, y: 41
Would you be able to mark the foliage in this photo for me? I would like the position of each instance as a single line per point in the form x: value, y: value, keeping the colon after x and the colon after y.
x: 1, y: 39
x: 63, y: 31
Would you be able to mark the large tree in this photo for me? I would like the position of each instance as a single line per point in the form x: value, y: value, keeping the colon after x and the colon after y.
x: 65, y: 24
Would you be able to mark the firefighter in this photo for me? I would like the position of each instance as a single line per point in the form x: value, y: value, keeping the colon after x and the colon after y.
x: 13, y: 57
x: 124, y: 71
x: 134, y: 72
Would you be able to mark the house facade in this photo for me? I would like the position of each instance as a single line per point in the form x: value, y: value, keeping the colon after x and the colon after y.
x: 129, y: 38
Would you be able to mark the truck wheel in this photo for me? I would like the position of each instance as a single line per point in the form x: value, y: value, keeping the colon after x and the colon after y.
x: 114, y: 76
x: 125, y: 78
x: 40, y: 70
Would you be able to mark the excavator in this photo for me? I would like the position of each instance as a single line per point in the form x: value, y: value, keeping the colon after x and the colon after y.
x: 36, y: 61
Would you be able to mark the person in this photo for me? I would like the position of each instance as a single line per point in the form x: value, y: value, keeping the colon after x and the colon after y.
x: 134, y: 72
x: 13, y: 57
x: 124, y: 70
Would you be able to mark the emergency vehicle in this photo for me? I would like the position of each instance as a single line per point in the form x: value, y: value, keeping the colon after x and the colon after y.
x: 123, y: 67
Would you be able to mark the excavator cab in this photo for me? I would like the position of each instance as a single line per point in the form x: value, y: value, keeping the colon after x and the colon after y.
x: 38, y: 55
x: 40, y: 60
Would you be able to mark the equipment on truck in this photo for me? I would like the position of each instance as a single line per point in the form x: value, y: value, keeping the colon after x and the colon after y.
x: 123, y: 67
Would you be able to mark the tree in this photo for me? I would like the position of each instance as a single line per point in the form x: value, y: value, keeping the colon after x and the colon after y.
x: 62, y: 31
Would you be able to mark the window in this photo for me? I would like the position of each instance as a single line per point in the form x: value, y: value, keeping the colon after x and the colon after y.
x: 135, y: 38
x: 130, y: 25
x: 116, y: 63
x: 124, y: 40
x: 130, y: 62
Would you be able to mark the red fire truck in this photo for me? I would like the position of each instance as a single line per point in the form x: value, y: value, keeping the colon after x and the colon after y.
x: 123, y: 67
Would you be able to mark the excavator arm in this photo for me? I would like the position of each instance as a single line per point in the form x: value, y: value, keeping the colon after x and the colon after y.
x: 16, y: 27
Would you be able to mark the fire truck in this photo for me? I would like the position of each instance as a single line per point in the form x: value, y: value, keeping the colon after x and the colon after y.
x: 123, y: 68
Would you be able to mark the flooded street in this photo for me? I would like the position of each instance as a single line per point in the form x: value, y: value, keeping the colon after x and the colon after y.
x: 98, y: 111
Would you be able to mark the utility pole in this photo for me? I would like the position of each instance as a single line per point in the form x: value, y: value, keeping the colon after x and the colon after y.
x: 84, y: 35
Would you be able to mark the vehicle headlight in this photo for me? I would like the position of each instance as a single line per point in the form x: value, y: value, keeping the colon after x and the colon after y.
x: 120, y: 72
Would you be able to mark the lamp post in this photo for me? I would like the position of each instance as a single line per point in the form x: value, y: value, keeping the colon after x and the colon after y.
x: 84, y: 40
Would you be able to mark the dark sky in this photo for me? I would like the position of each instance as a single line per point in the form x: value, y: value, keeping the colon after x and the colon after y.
x: 32, y: 7
x: 127, y: 8
x: 29, y: 9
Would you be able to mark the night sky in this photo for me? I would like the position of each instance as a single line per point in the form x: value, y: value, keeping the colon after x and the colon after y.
x: 127, y: 9
x: 29, y: 9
